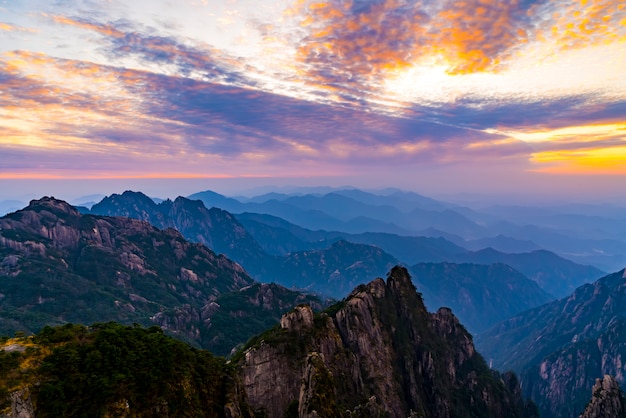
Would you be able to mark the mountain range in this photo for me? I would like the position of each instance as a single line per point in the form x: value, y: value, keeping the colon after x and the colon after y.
x: 332, y: 263
x: 587, y: 234
x: 58, y: 265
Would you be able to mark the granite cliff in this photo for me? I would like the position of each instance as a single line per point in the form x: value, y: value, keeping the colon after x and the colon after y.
x: 377, y: 353
x: 607, y: 400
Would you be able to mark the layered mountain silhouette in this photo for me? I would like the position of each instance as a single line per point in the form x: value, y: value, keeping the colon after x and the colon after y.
x: 272, y: 249
x: 586, y: 234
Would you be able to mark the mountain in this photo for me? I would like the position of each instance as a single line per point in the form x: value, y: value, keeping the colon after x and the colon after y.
x: 59, y: 266
x: 215, y: 228
x: 481, y: 295
x: 607, y: 400
x: 377, y: 353
x: 353, y: 211
x: 561, y: 347
x: 552, y: 273
x: 333, y: 271
x: 502, y: 243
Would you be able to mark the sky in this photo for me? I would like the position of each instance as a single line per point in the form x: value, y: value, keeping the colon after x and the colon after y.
x: 437, y: 96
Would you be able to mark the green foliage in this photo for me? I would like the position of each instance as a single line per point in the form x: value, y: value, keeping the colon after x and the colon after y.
x: 110, y: 368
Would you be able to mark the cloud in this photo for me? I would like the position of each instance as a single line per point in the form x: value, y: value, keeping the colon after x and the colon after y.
x: 7, y: 27
x: 125, y: 39
x: 178, y: 124
x: 355, y: 42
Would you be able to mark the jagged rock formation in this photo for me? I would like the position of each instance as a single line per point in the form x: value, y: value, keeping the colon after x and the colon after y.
x: 21, y: 405
x: 378, y: 353
x: 560, y: 348
x: 59, y: 266
x: 607, y: 400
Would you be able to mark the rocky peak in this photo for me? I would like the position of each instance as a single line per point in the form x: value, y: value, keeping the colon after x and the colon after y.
x: 53, y: 205
x: 299, y: 319
x: 379, y: 343
x: 607, y: 400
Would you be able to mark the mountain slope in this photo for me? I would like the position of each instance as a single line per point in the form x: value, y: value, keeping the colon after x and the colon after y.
x: 607, y: 400
x: 561, y: 347
x: 378, y: 353
x: 110, y: 370
x: 333, y: 271
x: 216, y: 228
x: 59, y: 266
x: 552, y: 273
x: 481, y: 295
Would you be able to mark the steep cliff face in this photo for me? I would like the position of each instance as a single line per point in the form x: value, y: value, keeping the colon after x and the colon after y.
x: 378, y: 353
x: 607, y: 400
x: 560, y: 383
x: 561, y: 347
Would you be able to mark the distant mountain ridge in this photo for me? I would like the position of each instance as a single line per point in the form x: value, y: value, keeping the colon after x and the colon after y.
x: 554, y: 274
x: 327, y: 263
x: 407, y: 213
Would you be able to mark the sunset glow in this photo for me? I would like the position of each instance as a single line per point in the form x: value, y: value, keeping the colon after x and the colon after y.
x: 311, y: 88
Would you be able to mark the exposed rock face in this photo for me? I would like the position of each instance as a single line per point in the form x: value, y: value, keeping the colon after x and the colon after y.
x: 378, y: 353
x: 607, y: 400
x: 214, y: 227
x: 560, y: 348
x: 21, y: 405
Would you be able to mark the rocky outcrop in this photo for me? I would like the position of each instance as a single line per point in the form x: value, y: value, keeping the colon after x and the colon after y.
x: 377, y: 353
x: 607, y: 400
x: 21, y: 405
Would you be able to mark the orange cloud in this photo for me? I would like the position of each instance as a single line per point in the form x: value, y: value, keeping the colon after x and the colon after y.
x: 348, y: 45
x: 107, y: 30
x: 598, y: 161
x: 474, y: 35
x: 7, y: 27
x: 356, y: 42
x: 588, y: 22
